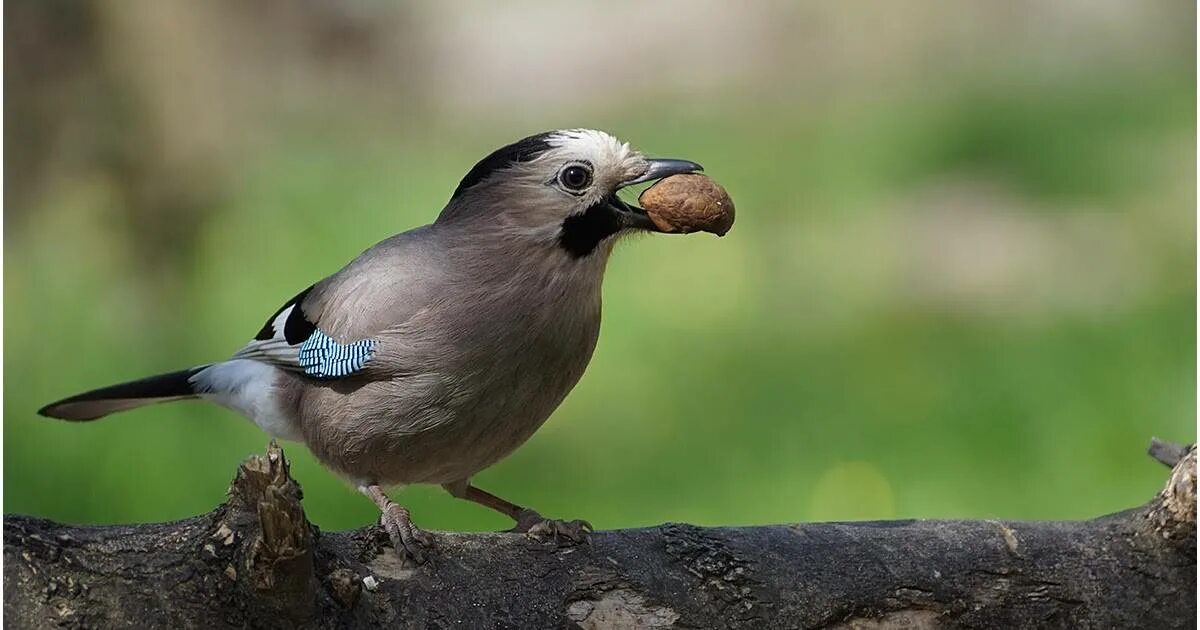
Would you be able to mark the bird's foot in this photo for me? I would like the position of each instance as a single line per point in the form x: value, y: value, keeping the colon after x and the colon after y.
x: 409, y: 541
x: 543, y: 529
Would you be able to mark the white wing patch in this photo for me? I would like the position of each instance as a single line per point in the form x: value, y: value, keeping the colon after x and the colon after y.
x: 276, y: 349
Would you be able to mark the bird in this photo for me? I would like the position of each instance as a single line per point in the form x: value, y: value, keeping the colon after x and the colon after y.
x: 440, y: 350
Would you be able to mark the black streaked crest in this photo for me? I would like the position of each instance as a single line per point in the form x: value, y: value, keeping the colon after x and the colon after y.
x: 522, y: 150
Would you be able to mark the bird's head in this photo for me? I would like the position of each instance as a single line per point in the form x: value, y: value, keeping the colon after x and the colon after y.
x: 559, y: 188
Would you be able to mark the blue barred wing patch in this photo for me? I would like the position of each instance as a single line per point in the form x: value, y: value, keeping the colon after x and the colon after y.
x: 323, y: 357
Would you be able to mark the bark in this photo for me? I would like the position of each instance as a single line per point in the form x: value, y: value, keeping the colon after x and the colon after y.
x: 255, y: 561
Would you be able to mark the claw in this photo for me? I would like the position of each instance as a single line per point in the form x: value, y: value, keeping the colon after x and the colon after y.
x: 542, y: 529
x: 409, y: 541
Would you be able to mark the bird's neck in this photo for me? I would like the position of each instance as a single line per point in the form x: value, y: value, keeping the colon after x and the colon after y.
x: 535, y: 256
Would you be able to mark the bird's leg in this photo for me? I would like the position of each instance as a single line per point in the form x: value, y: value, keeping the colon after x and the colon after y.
x: 528, y: 521
x: 406, y: 538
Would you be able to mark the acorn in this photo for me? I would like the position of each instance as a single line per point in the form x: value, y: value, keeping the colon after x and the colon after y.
x: 681, y: 204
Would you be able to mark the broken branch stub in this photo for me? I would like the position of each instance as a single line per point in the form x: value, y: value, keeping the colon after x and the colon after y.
x: 278, y: 558
x: 1173, y: 515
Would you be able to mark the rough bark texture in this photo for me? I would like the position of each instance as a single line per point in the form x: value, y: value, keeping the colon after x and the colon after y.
x: 256, y: 562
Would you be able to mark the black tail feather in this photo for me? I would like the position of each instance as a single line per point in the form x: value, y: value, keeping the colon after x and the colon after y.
x: 101, y: 402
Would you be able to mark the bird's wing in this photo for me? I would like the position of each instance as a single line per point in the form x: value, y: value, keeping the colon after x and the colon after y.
x: 292, y: 340
x: 334, y: 328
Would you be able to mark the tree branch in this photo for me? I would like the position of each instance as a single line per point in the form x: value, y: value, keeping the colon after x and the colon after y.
x: 255, y: 561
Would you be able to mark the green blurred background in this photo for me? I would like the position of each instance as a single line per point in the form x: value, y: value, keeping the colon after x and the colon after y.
x: 962, y: 281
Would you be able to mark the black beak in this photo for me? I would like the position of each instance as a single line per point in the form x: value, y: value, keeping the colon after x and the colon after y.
x: 664, y: 168
x: 634, y: 217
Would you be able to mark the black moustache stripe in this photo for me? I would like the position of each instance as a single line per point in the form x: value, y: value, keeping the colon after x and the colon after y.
x: 582, y: 233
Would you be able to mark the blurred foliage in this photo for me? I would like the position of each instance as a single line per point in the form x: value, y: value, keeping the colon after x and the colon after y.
x: 973, y: 299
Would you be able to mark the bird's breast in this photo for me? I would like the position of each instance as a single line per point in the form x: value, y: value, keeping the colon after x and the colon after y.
x: 475, y: 377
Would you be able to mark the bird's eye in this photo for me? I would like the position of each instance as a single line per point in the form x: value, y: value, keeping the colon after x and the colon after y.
x: 575, y: 177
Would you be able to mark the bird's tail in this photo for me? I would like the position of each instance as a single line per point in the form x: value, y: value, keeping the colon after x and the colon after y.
x: 124, y: 396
